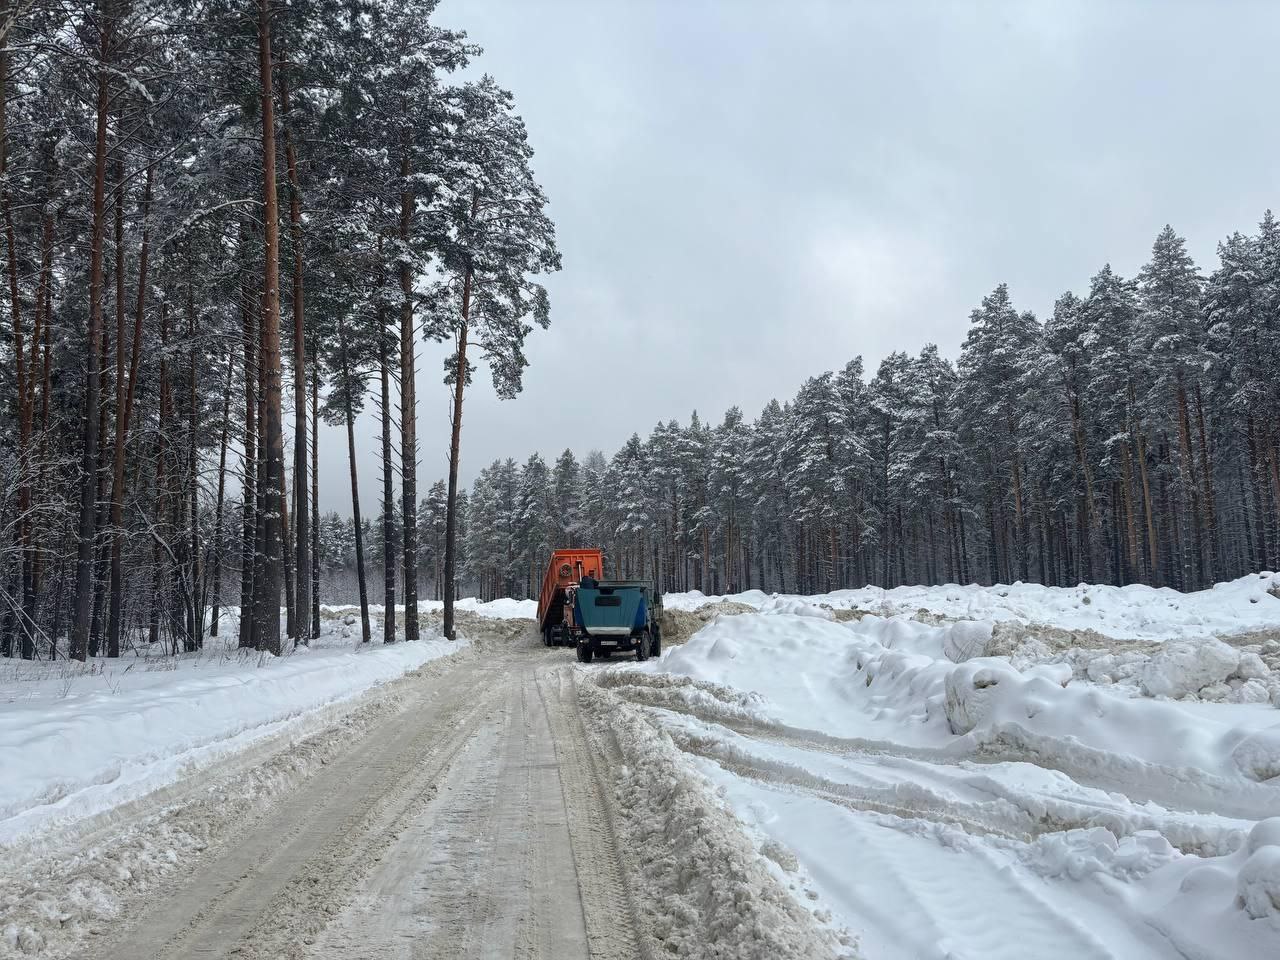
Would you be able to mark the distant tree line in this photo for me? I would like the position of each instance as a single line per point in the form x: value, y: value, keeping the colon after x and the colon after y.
x: 220, y: 221
x: 1133, y: 436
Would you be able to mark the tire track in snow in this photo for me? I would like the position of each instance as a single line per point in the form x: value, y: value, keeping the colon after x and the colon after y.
x: 920, y: 892
x: 930, y: 792
x: 1180, y: 790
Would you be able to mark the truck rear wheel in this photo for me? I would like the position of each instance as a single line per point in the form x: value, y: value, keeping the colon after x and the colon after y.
x: 642, y: 647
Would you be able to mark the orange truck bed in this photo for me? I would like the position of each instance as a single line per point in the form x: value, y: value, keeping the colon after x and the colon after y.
x: 566, y: 567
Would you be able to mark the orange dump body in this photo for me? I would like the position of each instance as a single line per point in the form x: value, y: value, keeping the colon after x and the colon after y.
x: 565, y: 569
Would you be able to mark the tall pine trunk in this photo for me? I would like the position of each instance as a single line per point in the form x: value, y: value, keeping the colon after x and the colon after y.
x: 301, y: 525
x: 26, y: 558
x: 124, y: 412
x: 355, y: 486
x: 315, y: 501
x: 249, y: 475
x: 388, y: 501
x: 408, y: 414
x: 272, y: 433
x: 455, y: 437
x: 218, y: 537
x: 85, y: 535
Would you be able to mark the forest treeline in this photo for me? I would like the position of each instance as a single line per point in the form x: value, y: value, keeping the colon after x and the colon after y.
x: 1132, y: 436
x: 222, y: 222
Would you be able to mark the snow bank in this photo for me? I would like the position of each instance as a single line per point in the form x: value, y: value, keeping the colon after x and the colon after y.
x: 706, y: 891
x: 1102, y: 797
x: 1246, y: 605
x: 1182, y: 668
x: 892, y: 680
x: 77, y: 744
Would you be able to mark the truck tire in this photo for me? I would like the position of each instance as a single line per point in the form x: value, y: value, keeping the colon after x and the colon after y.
x: 655, y: 647
x: 642, y: 647
x: 546, y: 637
x: 584, y: 653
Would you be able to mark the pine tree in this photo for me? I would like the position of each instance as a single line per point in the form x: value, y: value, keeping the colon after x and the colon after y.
x: 494, y: 236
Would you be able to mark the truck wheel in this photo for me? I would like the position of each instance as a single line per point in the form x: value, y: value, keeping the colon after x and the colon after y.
x: 584, y: 653
x: 546, y: 637
x: 642, y: 647
x: 655, y: 647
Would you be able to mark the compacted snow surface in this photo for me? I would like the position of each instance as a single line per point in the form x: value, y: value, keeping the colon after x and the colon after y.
x: 1020, y: 772
x: 944, y: 772
x: 78, y: 740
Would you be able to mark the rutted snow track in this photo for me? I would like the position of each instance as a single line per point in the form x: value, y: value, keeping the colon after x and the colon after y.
x: 471, y: 825
x: 941, y: 804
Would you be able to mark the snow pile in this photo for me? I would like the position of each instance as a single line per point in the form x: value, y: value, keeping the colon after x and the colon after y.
x: 1248, y: 605
x: 1258, y: 883
x: 707, y: 892
x: 1101, y: 796
x: 1184, y: 668
x: 79, y: 741
x: 1077, y: 854
x: 895, y: 680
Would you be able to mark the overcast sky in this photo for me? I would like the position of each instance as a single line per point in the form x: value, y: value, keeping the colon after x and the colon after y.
x: 749, y: 193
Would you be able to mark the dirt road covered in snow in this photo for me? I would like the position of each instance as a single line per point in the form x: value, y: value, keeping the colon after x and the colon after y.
x: 492, y: 803
x: 472, y: 823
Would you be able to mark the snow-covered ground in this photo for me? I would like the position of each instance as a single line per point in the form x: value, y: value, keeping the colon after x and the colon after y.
x: 79, y: 739
x: 1021, y: 772
x: 1135, y: 612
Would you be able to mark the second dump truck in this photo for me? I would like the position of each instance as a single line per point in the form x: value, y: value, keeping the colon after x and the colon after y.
x: 565, y: 571
x: 598, y: 617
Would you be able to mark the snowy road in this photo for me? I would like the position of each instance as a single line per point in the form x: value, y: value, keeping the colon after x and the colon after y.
x: 783, y: 785
x: 472, y: 825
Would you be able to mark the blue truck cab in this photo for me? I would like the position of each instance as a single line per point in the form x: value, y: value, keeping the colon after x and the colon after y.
x: 617, y: 616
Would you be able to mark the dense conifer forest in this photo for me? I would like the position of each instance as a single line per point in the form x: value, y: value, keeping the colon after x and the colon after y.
x: 1131, y: 436
x: 223, y: 223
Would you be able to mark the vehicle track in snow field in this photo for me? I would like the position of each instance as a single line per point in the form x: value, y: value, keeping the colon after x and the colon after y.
x: 473, y: 824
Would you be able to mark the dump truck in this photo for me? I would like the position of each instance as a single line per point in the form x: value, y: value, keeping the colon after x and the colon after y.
x: 565, y: 571
x: 616, y: 616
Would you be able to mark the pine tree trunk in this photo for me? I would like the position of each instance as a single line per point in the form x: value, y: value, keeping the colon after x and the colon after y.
x: 195, y: 576
x: 290, y: 575
x: 218, y: 538
x: 1092, y: 524
x: 1206, y: 477
x: 302, y: 524
x: 388, y: 502
x: 1258, y: 471
x: 1153, y: 542
x: 124, y: 410
x: 272, y: 433
x: 409, y: 417
x: 355, y: 486
x: 1191, y: 571
x: 85, y: 535
x: 158, y: 560
x: 23, y: 522
x: 315, y: 501
x: 249, y: 475
x: 455, y: 435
